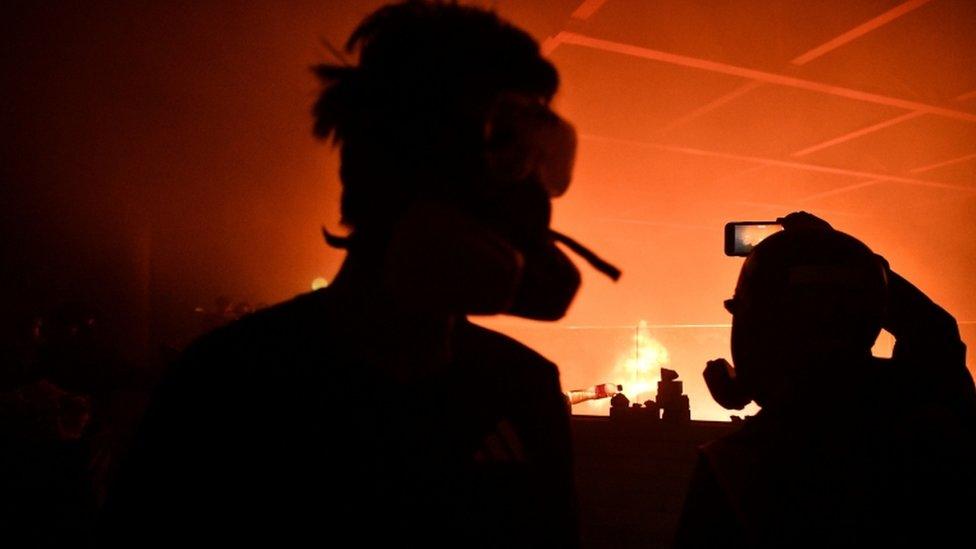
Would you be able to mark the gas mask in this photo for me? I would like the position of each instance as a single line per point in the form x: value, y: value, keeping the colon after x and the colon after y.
x: 723, y: 385
x: 492, y: 251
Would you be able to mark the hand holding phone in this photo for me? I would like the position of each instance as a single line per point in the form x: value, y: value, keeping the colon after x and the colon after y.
x: 742, y: 236
x: 803, y: 221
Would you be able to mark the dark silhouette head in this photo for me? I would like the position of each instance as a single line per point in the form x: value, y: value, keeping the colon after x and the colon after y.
x: 410, y: 116
x: 450, y: 156
x: 807, y: 303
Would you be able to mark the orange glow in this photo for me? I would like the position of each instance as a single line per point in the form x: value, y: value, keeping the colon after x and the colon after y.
x: 858, y: 133
x: 573, y: 38
x: 639, y: 372
x: 638, y: 369
x: 874, y: 131
x: 587, y: 8
x: 691, y: 114
x: 859, y: 31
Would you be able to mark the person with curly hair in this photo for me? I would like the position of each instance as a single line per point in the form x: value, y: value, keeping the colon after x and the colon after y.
x: 373, y: 410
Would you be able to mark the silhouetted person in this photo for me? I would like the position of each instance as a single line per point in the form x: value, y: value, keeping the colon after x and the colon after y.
x: 372, y: 411
x: 847, y: 449
x: 54, y: 415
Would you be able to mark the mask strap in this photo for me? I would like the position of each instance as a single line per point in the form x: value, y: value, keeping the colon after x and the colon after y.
x: 598, y: 263
x: 594, y: 260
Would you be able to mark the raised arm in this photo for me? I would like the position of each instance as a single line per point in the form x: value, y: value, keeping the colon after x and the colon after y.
x: 927, y: 343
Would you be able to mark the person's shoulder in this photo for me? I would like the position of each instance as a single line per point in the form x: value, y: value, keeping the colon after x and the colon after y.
x: 283, y: 322
x: 268, y: 348
x: 269, y: 343
x: 500, y: 344
x: 503, y: 353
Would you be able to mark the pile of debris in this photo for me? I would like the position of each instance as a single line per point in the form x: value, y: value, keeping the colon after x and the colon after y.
x: 672, y: 404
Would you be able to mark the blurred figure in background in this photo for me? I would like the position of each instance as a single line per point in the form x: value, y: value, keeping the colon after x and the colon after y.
x: 61, y: 425
x: 372, y: 409
x: 848, y: 449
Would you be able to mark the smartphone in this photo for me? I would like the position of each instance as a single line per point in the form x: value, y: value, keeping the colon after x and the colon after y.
x: 742, y: 236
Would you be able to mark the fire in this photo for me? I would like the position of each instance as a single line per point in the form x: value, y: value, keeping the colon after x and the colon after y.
x: 639, y: 368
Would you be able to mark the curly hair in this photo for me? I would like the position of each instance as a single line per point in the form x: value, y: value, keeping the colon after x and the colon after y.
x: 409, y: 117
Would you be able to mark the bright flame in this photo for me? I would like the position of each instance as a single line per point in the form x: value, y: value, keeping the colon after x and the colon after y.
x: 319, y: 283
x: 639, y: 368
